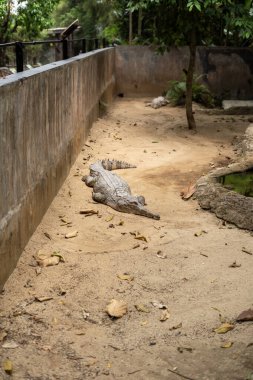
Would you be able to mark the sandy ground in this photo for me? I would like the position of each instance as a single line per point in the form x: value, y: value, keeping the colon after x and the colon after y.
x: 69, y: 336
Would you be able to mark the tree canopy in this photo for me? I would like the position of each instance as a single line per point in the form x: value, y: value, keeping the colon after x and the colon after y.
x: 24, y: 19
x: 196, y: 22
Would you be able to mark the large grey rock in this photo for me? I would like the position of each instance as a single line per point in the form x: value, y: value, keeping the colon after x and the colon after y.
x: 227, y: 104
x: 226, y: 204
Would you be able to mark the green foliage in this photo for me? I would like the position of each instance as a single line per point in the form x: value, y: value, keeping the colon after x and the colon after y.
x: 24, y: 20
x: 95, y: 16
x: 216, y: 22
x: 34, y: 16
x: 200, y: 93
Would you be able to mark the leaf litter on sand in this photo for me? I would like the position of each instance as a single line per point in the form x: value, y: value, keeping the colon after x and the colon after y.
x: 71, y: 234
x: 175, y: 327
x: 234, y: 265
x: 164, y: 316
x: 88, y: 212
x: 45, y: 258
x: 137, y: 235
x: 3, y: 335
x: 188, y: 191
x: 125, y: 277
x: 10, y: 345
x: 245, y: 316
x: 199, y: 233
x: 161, y: 255
x: 227, y: 345
x: 224, y: 328
x: 8, y: 366
x: 159, y: 305
x: 116, y: 308
x: 43, y: 299
x: 142, y: 308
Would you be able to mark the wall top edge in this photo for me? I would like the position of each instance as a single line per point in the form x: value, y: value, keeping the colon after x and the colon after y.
x: 152, y: 47
x: 50, y: 66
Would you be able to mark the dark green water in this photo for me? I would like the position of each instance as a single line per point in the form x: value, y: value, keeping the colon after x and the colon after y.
x: 242, y: 183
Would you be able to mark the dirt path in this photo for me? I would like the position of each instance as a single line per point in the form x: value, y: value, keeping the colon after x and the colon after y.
x: 191, y: 274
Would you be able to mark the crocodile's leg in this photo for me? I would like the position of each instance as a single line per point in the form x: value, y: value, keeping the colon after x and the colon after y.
x: 98, y: 197
x: 89, y: 180
x: 141, y: 200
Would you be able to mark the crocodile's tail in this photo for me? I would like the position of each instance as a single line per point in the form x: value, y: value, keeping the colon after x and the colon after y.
x: 115, y: 164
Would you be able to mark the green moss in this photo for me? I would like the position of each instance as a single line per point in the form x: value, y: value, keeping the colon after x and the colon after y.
x: 242, y: 183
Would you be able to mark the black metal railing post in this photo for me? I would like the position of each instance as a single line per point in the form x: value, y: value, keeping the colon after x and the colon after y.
x: 65, y: 54
x: 84, y: 46
x: 96, y: 43
x: 104, y: 43
x: 19, y: 57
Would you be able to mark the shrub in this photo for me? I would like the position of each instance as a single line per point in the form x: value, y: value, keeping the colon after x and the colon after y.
x: 200, y: 93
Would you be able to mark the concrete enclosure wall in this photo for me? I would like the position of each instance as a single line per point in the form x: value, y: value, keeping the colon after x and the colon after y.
x: 46, y: 113
x: 45, y: 116
x: 227, y: 71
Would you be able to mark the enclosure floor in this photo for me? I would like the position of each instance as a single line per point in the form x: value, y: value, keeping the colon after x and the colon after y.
x: 184, y: 264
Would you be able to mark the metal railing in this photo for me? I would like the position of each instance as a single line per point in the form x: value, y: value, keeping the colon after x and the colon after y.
x: 85, y: 44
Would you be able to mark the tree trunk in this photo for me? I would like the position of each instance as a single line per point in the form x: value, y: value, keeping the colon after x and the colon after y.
x: 130, y: 28
x: 189, y: 81
x: 139, y: 22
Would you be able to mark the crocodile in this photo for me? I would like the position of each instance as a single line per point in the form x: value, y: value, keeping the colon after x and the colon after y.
x: 158, y: 102
x: 113, y: 191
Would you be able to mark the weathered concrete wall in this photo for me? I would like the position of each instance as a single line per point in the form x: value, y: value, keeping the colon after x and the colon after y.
x: 227, y: 71
x: 45, y: 116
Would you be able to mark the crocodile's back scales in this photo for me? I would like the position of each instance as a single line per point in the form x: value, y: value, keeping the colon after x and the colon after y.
x: 113, y: 184
x: 112, y: 190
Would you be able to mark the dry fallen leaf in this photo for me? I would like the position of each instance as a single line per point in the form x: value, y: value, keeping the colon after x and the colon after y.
x: 47, y: 235
x: 43, y: 299
x: 56, y: 254
x: 161, y: 255
x: 224, y: 328
x: 110, y: 218
x: 38, y: 271
x: 199, y: 233
x: 88, y: 212
x: 7, y: 366
x: 45, y: 259
x: 227, y: 345
x: 71, y: 235
x: 182, y: 349
x: 137, y: 235
x: 126, y: 277
x: 164, y: 316
x: 245, y: 316
x: 178, y: 326
x: 234, y: 265
x: 11, y: 344
x: 141, y: 237
x: 3, y: 335
x: 159, y: 305
x: 85, y: 314
x: 245, y: 250
x: 116, y: 308
x: 188, y: 191
x: 91, y: 362
x: 142, y: 308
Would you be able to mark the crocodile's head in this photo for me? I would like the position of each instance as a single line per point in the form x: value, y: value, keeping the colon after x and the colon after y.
x: 135, y: 205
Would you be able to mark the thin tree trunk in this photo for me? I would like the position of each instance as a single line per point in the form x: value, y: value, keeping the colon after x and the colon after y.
x: 189, y: 81
x: 130, y: 28
x: 139, y: 22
